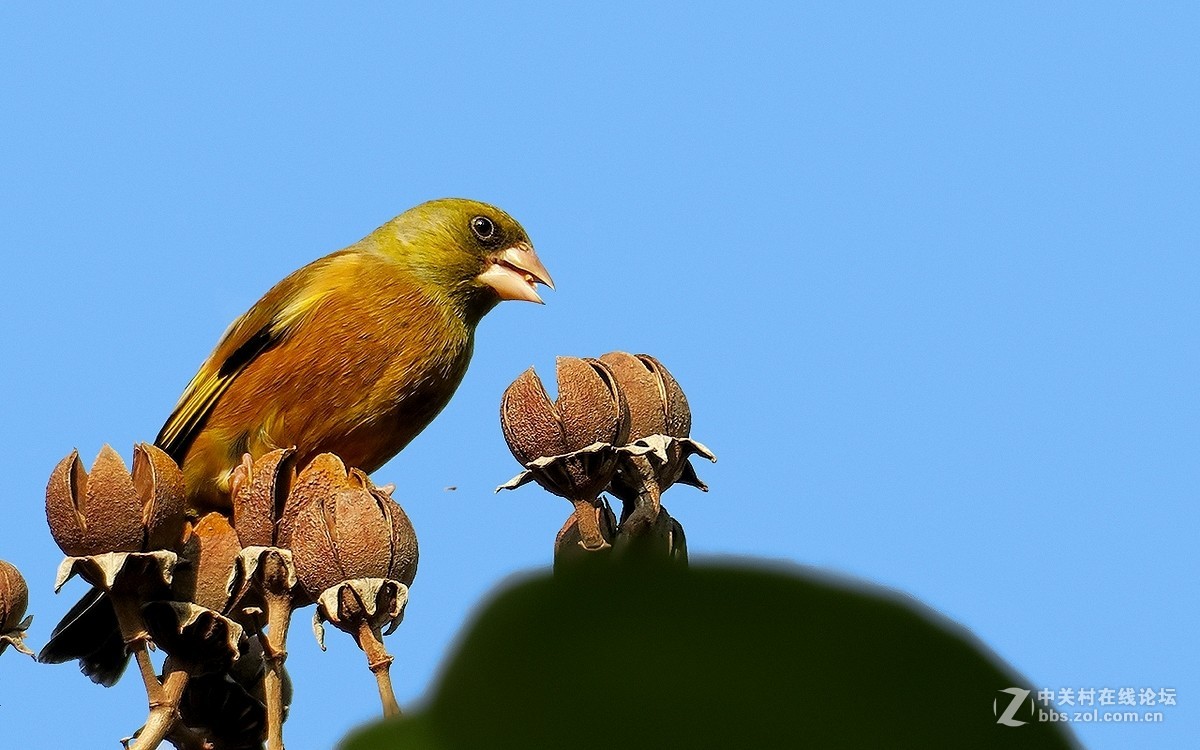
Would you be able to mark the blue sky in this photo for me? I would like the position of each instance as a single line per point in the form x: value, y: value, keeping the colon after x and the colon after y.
x: 928, y: 276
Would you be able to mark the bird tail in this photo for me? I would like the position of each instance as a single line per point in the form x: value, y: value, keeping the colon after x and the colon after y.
x: 89, y: 632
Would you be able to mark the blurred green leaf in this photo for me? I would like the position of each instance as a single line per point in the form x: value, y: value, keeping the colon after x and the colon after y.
x: 715, y: 656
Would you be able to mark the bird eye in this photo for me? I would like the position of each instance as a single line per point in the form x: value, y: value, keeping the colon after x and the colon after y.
x: 483, y: 228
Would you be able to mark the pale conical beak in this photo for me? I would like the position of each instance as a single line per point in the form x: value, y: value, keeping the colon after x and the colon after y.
x: 515, y: 273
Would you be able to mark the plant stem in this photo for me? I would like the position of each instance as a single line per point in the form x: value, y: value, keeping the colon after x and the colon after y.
x: 164, y: 712
x: 370, y: 640
x: 649, y: 494
x: 588, y: 518
x: 137, y: 639
x: 278, y: 598
x: 153, y: 687
x: 163, y: 699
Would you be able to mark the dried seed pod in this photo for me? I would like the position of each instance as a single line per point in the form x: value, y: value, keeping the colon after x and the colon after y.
x: 110, y: 509
x: 264, y: 511
x: 200, y: 638
x: 348, y: 528
x: 262, y: 514
x: 14, y: 599
x: 657, y: 405
x: 567, y: 445
x: 662, y: 422
x: 211, y: 548
x: 14, y: 596
x: 590, y: 405
x: 590, y: 409
x: 356, y: 554
x: 530, y: 421
x: 194, y: 629
x: 119, y: 529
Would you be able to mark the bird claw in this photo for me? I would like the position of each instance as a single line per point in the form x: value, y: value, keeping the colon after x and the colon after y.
x: 240, y: 476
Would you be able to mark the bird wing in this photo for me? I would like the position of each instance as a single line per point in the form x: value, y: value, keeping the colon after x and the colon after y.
x: 271, y: 320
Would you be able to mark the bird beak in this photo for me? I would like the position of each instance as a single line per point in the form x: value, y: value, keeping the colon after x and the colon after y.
x: 515, y: 273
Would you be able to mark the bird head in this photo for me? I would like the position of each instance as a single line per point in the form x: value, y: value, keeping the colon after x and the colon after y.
x: 470, y: 252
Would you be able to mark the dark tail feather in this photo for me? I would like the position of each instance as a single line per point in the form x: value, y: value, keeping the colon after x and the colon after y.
x: 89, y: 633
x: 228, y: 708
x: 223, y: 711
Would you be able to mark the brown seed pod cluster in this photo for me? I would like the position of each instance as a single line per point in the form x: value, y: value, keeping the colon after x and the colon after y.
x: 216, y: 593
x: 621, y: 423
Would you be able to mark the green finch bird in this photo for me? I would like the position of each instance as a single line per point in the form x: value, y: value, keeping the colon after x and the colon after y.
x: 355, y: 353
x: 352, y: 354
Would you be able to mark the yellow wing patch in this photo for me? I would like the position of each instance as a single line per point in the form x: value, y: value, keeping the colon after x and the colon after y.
x: 197, y: 400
